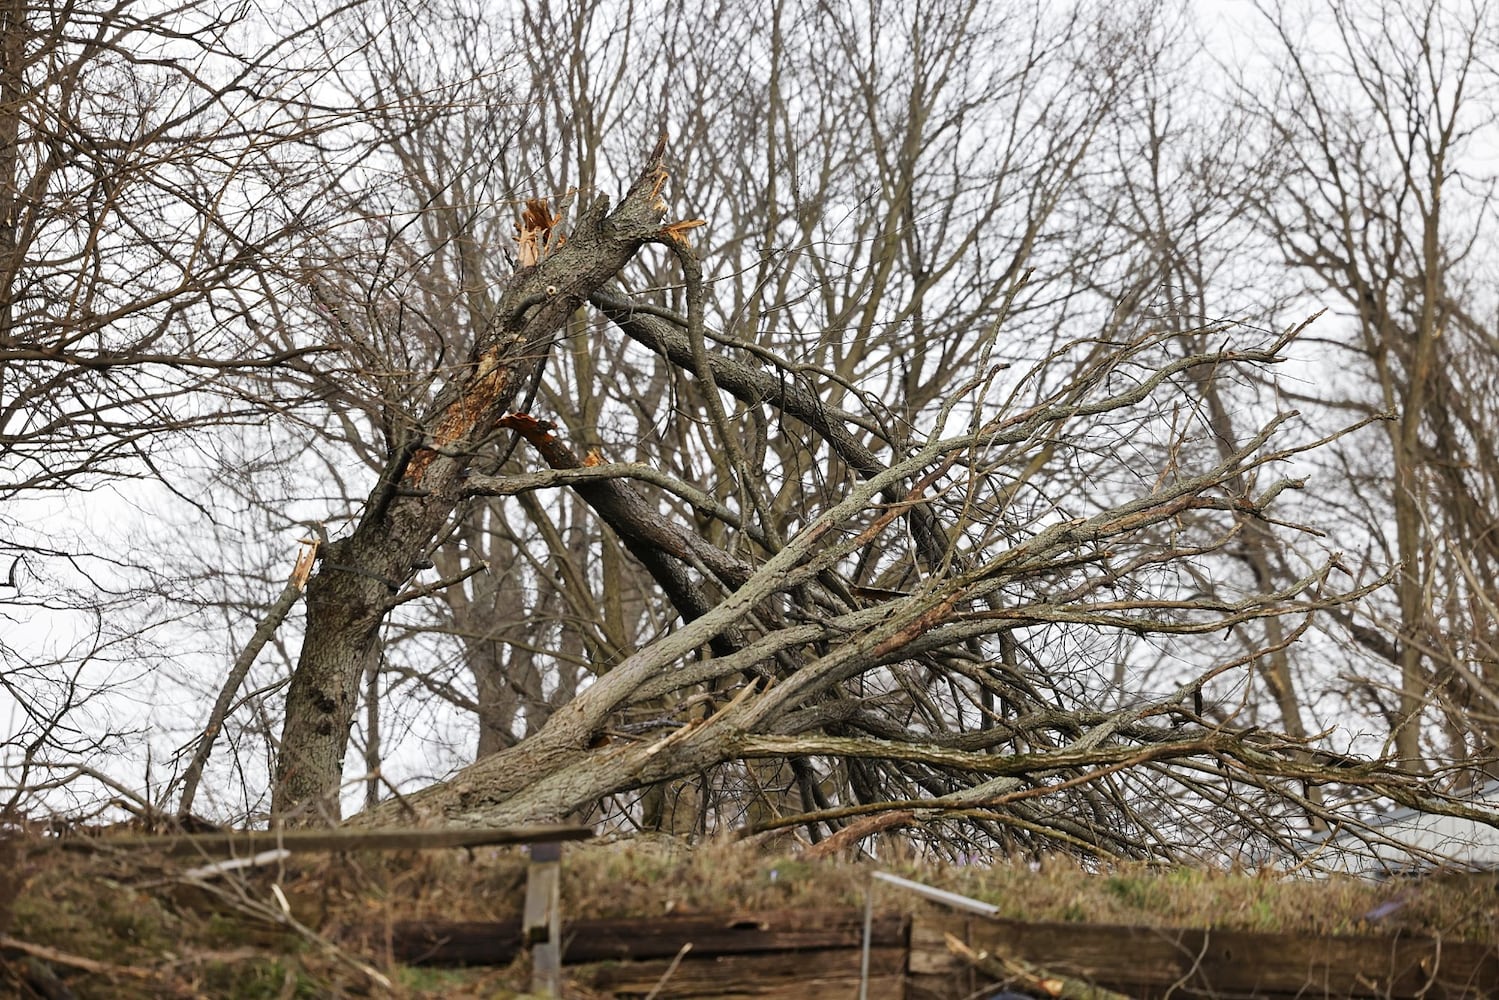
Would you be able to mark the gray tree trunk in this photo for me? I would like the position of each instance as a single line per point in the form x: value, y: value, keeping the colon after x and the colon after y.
x: 359, y: 575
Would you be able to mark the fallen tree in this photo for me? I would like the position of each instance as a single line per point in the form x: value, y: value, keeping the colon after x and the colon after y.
x: 876, y: 644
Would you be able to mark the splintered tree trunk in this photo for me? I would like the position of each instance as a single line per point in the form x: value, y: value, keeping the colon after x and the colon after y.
x: 359, y: 575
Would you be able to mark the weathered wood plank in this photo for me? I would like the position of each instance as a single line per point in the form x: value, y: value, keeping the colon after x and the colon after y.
x: 247, y: 842
x: 1193, y: 963
x: 807, y: 975
x: 484, y: 942
x: 1142, y: 962
x: 929, y: 987
x: 788, y: 930
x: 452, y: 942
x: 929, y: 954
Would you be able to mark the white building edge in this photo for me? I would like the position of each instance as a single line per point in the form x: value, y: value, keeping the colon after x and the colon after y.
x: 1407, y: 841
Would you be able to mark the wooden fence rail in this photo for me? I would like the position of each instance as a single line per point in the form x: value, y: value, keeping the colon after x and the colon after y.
x: 815, y: 954
x: 243, y: 843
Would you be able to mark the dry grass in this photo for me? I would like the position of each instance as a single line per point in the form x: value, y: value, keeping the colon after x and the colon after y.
x: 134, y: 911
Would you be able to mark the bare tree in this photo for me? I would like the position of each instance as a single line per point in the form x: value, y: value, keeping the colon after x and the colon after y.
x: 1372, y: 135
x: 139, y: 258
x: 1186, y: 255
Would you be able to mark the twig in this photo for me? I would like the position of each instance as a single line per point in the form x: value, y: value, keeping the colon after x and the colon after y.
x: 280, y: 915
x: 1030, y: 977
x: 681, y: 953
x: 857, y: 831
x: 74, y: 961
x: 306, y: 556
x: 235, y: 864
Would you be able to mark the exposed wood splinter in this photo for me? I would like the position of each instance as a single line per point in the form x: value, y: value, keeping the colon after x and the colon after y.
x: 677, y: 231
x: 535, y: 233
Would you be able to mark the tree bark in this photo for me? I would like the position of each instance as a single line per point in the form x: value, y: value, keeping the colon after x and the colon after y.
x: 420, y: 486
x: 13, y: 35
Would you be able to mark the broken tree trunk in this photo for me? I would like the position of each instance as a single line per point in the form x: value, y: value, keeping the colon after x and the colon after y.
x: 360, y: 574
